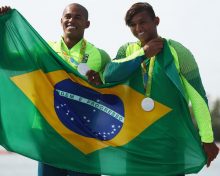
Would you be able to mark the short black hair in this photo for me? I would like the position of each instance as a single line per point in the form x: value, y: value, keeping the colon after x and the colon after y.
x: 137, y: 8
x: 84, y: 10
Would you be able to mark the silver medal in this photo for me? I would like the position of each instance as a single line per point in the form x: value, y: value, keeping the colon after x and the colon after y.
x: 147, y: 104
x: 83, y: 68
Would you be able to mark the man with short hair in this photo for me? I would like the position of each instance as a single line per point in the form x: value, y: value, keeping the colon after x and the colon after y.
x: 75, y: 50
x: 143, y: 22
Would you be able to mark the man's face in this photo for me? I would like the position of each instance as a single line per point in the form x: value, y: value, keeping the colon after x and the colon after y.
x: 144, y: 27
x: 74, y: 22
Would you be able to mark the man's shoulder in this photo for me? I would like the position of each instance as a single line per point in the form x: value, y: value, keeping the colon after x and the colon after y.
x: 51, y: 42
x: 97, y: 58
x: 185, y: 57
x: 179, y: 47
x: 91, y: 48
x: 128, y: 44
x: 54, y: 45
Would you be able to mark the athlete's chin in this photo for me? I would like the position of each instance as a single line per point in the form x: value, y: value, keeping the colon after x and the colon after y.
x: 70, y: 33
x: 145, y: 40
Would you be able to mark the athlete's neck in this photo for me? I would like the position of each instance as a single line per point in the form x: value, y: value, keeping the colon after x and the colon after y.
x: 144, y: 42
x: 70, y: 42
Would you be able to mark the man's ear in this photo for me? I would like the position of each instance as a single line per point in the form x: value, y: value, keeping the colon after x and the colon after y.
x: 87, y: 24
x: 61, y: 21
x: 157, y: 20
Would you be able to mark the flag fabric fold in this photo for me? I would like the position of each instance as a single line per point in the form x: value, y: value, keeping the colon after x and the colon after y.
x: 48, y: 112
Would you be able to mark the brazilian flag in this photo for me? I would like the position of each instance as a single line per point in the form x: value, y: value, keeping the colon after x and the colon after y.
x: 49, y: 113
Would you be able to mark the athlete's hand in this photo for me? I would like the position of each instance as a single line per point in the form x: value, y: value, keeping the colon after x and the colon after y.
x: 4, y: 9
x: 211, y: 150
x: 153, y: 47
x: 93, y: 77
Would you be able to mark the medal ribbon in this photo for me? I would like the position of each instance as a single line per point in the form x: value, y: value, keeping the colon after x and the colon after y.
x: 150, y: 77
x: 81, y: 54
x: 82, y: 51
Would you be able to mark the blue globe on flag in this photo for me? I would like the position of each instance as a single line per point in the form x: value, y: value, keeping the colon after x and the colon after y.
x: 87, y: 112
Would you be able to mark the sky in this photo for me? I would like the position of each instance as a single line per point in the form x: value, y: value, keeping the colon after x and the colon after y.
x: 195, y: 24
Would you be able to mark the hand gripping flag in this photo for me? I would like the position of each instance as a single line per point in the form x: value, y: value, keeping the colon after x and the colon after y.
x: 49, y: 113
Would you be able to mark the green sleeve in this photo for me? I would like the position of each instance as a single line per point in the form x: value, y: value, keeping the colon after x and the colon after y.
x: 122, y: 52
x: 194, y: 88
x: 122, y: 67
x: 105, y: 59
